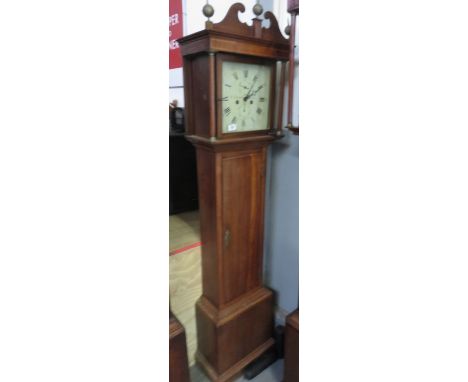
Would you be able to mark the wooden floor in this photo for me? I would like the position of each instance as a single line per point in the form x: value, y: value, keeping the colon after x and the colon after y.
x: 185, y: 273
x: 184, y: 229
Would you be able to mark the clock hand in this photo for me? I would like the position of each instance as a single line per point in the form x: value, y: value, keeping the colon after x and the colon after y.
x: 256, y: 91
x: 253, y: 93
x: 248, y: 93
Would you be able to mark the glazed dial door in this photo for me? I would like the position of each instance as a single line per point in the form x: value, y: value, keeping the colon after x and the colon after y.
x: 245, y: 97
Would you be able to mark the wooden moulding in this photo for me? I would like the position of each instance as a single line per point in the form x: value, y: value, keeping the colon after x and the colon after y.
x: 233, y: 36
x: 226, y: 145
x: 220, y: 353
x: 232, y: 24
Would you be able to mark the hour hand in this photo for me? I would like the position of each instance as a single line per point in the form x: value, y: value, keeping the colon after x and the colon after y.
x: 249, y: 94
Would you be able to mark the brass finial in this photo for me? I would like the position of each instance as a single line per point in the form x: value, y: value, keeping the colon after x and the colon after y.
x: 257, y: 9
x: 208, y: 10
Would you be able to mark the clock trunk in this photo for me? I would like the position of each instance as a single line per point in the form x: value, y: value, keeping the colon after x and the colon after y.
x: 232, y: 193
x: 235, y: 313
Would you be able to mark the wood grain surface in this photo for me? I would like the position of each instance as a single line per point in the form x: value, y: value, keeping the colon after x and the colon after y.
x: 235, y: 313
x: 178, y: 365
x: 291, y: 348
x: 185, y: 286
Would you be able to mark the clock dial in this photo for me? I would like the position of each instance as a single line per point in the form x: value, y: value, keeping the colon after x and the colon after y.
x: 245, y: 97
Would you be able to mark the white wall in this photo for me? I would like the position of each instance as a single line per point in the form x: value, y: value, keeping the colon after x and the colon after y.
x: 282, y: 202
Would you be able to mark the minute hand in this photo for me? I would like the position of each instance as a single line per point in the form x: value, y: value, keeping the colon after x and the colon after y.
x: 248, y: 93
x: 253, y: 93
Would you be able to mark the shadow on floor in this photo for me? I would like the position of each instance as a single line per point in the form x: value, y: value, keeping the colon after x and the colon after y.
x: 274, y: 373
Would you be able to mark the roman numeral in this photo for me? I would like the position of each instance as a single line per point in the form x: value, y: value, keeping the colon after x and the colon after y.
x: 227, y: 85
x: 227, y: 111
x: 262, y: 99
x: 223, y: 99
x: 255, y: 78
x: 234, y: 120
x: 235, y: 75
x: 246, y: 73
x: 259, y: 111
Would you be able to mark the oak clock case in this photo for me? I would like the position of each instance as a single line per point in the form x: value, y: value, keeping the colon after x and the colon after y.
x: 231, y: 128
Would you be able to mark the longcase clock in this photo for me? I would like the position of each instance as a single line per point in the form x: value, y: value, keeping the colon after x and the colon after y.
x: 230, y: 72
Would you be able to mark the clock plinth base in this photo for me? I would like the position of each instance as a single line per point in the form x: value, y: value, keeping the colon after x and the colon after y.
x: 236, y: 370
x: 232, y: 337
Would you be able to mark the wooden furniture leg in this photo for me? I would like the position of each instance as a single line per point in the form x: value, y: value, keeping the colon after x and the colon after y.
x: 178, y: 361
x: 291, y: 348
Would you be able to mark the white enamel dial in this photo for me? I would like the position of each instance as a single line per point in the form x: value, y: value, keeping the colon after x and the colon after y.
x: 245, y: 97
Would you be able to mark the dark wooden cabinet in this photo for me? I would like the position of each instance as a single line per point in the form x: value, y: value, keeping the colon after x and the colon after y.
x: 291, y: 348
x: 178, y: 361
x: 183, y: 191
